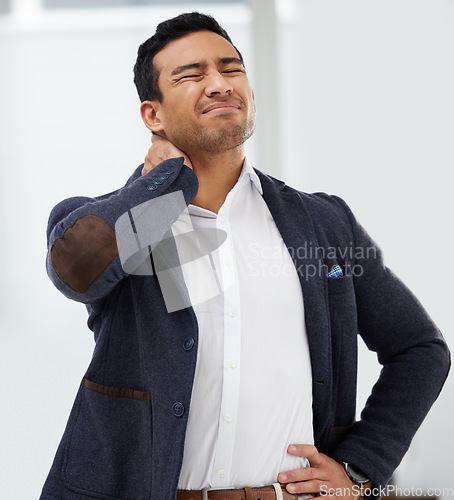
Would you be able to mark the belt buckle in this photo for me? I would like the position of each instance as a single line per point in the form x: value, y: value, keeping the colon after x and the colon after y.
x: 206, y: 490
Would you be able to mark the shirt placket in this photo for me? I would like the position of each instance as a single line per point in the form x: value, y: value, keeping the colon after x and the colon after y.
x: 231, y: 359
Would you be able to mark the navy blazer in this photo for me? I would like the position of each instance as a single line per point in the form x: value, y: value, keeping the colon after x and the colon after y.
x: 125, y: 435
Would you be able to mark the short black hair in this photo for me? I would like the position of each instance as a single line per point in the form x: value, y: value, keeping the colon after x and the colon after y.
x: 146, y: 74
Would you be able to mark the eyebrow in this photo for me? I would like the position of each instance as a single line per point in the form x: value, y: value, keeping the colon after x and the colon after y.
x: 185, y: 67
x: 229, y: 60
x: 223, y: 61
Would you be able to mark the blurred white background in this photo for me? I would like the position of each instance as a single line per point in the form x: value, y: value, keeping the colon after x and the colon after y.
x: 354, y: 98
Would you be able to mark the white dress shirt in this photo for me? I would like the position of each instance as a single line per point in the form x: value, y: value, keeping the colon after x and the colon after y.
x: 252, y: 393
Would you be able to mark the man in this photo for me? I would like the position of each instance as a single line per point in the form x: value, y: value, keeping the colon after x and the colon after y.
x: 211, y: 369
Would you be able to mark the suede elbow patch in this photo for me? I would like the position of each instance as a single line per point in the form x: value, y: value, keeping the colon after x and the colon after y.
x: 84, y: 251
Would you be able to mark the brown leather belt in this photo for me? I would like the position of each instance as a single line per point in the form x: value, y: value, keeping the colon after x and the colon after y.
x: 265, y: 493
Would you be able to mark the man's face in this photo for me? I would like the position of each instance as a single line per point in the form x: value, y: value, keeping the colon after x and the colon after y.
x: 208, y: 104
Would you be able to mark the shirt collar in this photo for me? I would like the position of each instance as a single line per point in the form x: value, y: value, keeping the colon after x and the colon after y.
x: 247, y: 172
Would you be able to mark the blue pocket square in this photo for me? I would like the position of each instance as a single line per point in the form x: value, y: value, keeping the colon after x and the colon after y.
x: 335, y: 272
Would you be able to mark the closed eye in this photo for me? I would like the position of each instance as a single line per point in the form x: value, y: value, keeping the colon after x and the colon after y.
x: 189, y: 76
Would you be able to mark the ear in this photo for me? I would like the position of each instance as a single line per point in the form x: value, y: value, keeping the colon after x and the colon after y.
x: 151, y: 116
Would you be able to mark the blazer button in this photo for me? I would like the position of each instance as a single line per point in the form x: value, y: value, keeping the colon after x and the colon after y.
x: 178, y: 409
x: 152, y: 187
x: 188, y: 344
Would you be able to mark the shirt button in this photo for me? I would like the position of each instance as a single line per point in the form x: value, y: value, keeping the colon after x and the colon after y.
x: 178, y: 409
x: 222, y: 218
x: 232, y: 364
x: 228, y: 262
x: 188, y: 344
x: 221, y: 473
x: 228, y: 417
x: 232, y: 313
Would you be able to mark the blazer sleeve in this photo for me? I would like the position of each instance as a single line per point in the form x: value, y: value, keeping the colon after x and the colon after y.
x: 86, y: 236
x: 415, y: 361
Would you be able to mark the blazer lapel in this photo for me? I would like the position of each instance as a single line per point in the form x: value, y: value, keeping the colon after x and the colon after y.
x: 297, y: 230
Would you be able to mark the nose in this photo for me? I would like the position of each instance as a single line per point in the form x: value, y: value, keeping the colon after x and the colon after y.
x: 217, y: 84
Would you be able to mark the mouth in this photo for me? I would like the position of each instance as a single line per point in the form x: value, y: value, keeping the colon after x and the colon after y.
x: 221, y: 107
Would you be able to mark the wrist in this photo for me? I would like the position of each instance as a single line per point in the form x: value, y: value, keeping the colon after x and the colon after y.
x: 359, y: 479
x: 364, y: 490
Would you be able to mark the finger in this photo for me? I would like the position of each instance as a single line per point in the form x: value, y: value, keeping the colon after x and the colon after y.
x: 187, y: 162
x: 314, y: 487
x: 162, y: 149
x: 303, y: 474
x: 147, y: 166
x: 151, y: 160
x: 169, y: 150
x: 307, y: 450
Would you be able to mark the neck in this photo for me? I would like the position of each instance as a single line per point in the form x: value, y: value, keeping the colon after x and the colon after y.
x: 217, y: 174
